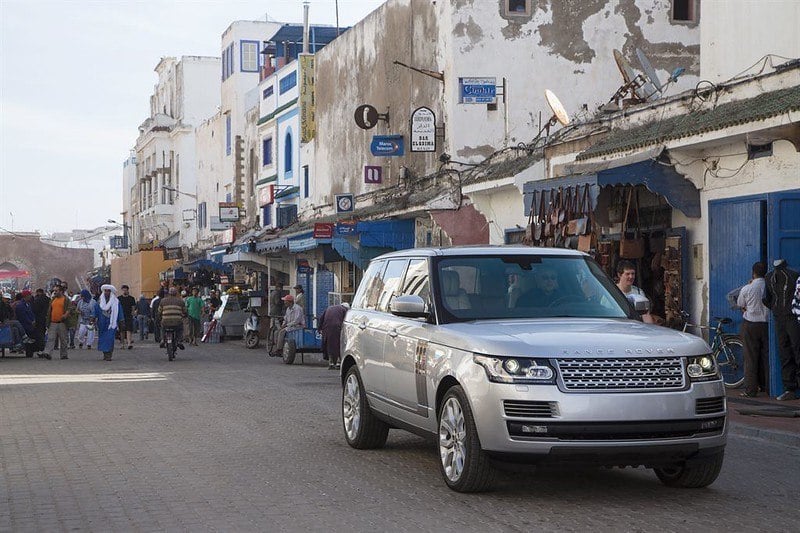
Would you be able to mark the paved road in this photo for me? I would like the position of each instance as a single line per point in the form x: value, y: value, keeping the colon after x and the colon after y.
x: 224, y: 439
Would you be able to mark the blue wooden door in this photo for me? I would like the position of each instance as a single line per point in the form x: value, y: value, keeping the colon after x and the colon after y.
x: 784, y: 243
x: 737, y: 239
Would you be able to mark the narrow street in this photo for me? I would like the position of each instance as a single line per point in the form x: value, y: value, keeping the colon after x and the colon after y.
x: 226, y: 439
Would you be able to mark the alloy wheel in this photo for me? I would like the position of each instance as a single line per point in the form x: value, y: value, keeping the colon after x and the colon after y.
x: 452, y: 439
x: 351, y: 407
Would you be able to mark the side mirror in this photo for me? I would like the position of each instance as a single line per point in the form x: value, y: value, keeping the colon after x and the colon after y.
x: 640, y: 304
x: 409, y: 306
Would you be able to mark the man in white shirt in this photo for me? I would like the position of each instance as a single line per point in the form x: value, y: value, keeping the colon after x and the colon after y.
x: 294, y: 319
x: 755, y: 332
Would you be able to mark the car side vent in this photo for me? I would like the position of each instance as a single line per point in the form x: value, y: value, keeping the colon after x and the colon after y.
x: 706, y: 406
x: 530, y: 409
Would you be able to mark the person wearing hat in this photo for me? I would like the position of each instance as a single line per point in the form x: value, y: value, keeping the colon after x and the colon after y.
x: 293, y: 319
x: 109, y: 316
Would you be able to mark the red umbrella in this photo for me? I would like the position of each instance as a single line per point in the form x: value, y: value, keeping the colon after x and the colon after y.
x: 9, y: 274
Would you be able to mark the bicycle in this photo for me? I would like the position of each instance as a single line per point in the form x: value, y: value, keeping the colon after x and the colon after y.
x: 726, y: 348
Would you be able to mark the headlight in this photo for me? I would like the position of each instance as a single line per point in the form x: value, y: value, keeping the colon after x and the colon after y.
x: 515, y: 369
x: 702, y: 368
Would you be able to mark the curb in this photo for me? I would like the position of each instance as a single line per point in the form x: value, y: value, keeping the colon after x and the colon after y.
x: 770, y: 435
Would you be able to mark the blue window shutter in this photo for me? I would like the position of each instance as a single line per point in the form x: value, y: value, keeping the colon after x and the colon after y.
x: 228, y: 197
x: 305, y: 181
x: 287, y: 153
x: 267, y: 149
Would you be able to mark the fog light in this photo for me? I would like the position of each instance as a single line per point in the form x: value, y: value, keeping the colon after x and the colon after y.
x: 512, y: 366
x: 695, y: 370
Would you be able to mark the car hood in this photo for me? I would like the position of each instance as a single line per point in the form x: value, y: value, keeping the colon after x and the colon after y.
x: 569, y: 337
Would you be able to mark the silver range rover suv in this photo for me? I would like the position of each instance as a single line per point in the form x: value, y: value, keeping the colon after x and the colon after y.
x: 518, y: 355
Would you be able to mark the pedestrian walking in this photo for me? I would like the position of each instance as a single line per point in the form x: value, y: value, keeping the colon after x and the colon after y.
x: 128, y: 304
x: 154, y: 305
x: 330, y: 325
x: 142, y: 316
x: 194, y: 309
x: 109, y: 316
x: 755, y: 332
x: 60, y: 311
x: 87, y: 309
x: 780, y: 288
x: 40, y: 305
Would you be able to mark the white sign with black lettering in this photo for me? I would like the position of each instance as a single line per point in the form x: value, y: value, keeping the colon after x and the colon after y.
x: 423, y: 130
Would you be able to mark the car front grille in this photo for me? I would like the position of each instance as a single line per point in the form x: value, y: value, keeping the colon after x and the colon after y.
x: 622, y: 374
x: 530, y: 409
x: 705, y: 406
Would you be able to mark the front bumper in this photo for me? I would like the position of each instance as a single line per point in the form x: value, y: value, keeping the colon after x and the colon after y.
x: 540, y: 422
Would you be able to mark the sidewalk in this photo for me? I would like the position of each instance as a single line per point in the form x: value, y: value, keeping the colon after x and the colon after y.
x: 764, y: 418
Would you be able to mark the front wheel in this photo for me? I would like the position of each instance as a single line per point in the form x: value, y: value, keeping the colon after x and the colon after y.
x: 730, y: 358
x: 171, y: 349
x: 464, y: 464
x: 362, y: 429
x: 251, y: 340
x: 289, y: 351
x: 693, y: 474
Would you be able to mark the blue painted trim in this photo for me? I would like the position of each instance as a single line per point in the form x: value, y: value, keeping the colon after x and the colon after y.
x: 288, y: 148
x: 288, y: 82
x: 241, y: 54
x: 286, y: 116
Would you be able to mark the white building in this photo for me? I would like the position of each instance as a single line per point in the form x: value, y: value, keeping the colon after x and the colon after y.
x: 99, y: 240
x: 163, y: 199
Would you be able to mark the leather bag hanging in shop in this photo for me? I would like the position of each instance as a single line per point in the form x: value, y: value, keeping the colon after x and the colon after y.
x: 529, y: 230
x: 539, y: 234
x: 577, y: 226
x: 616, y: 213
x: 548, y: 225
x: 587, y: 240
x: 631, y: 243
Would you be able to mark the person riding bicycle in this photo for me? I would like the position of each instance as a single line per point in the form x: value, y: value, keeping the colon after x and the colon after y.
x: 171, y: 313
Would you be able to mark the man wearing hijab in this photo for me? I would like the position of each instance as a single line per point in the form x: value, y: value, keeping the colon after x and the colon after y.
x: 108, y: 315
x: 86, y: 313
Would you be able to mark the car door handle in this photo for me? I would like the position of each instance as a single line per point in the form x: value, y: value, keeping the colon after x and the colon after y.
x: 393, y: 332
x: 362, y: 325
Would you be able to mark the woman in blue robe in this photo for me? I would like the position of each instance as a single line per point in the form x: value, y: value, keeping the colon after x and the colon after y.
x: 109, y: 315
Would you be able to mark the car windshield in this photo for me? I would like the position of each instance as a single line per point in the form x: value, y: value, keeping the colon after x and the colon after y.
x: 525, y: 286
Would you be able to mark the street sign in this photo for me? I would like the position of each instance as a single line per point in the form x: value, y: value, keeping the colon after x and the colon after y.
x: 323, y: 230
x: 228, y: 212
x: 373, y: 174
x: 344, y: 203
x: 118, y: 242
x: 387, y: 145
x: 477, y: 90
x: 423, y: 130
x: 345, y: 228
x: 366, y: 117
x: 215, y: 225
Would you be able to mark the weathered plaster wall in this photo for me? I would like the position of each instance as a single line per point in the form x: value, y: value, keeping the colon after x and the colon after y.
x: 563, y: 46
x: 737, y: 33
x: 357, y: 68
x: 45, y: 261
x: 210, y: 143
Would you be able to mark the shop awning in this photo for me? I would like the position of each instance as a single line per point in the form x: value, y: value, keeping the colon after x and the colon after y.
x: 272, y: 245
x: 207, y: 264
x: 305, y: 241
x: 373, y: 238
x: 246, y: 260
x: 646, y: 168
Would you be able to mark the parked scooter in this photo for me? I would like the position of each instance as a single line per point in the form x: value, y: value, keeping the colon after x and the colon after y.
x: 251, y: 329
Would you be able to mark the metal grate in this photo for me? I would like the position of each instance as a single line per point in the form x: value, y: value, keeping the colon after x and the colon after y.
x: 530, y: 409
x: 620, y: 374
x: 705, y: 406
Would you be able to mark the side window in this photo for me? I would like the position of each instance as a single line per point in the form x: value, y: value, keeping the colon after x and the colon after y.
x: 417, y: 279
x: 370, y: 288
x: 392, y: 277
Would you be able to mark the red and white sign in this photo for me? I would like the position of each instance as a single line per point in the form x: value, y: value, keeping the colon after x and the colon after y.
x: 228, y: 236
x: 323, y: 230
x: 266, y: 195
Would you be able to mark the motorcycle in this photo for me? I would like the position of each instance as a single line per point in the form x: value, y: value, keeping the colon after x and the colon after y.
x: 171, y: 341
x: 251, y: 328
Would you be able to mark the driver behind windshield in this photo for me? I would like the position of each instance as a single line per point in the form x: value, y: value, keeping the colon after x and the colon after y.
x: 546, y: 290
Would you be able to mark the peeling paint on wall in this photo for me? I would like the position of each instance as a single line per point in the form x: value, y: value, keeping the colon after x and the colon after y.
x: 484, y: 150
x: 471, y: 30
x: 564, y: 35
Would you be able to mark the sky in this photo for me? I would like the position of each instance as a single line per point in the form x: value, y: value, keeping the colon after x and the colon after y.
x: 76, y: 80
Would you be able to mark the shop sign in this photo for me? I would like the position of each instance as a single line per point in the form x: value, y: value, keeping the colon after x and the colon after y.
x: 323, y: 230
x: 229, y: 236
x: 344, y: 203
x: 387, y: 145
x: 306, y: 103
x: 301, y: 245
x: 344, y: 229
x: 228, y: 212
x: 223, y: 280
x: 215, y: 225
x: 477, y: 90
x: 423, y: 130
x: 373, y: 174
x: 266, y: 195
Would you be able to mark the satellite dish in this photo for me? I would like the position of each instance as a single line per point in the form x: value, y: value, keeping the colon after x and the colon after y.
x: 648, y: 69
x: 624, y: 67
x: 559, y: 112
x: 634, y: 83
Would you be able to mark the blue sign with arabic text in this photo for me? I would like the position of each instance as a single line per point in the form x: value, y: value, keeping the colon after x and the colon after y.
x: 387, y: 145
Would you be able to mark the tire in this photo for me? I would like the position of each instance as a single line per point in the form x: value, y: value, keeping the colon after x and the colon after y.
x: 171, y: 351
x: 463, y: 463
x: 289, y: 351
x: 362, y: 429
x: 694, y: 474
x: 251, y: 340
x: 732, y: 370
